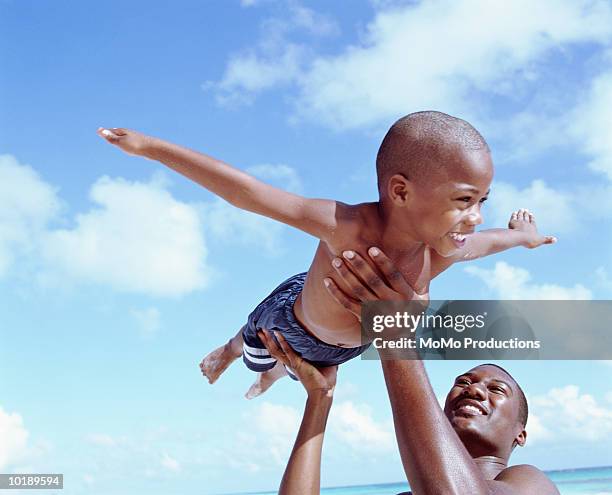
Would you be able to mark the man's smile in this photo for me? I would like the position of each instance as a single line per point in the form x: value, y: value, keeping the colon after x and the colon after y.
x: 470, y: 407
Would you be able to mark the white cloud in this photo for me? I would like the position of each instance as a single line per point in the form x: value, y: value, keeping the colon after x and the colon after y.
x: 281, y: 175
x: 227, y: 223
x: 13, y: 447
x: 275, y: 60
x: 510, y: 282
x: 137, y: 239
x: 354, y: 425
x: 569, y: 414
x: 105, y: 440
x: 554, y: 210
x: 148, y: 320
x: 170, y: 463
x: 425, y: 55
x: 536, y: 431
x: 591, y: 124
x: 277, y: 427
x: 27, y: 205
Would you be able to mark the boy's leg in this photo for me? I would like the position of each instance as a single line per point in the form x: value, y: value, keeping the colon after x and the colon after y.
x: 218, y: 360
x: 265, y: 380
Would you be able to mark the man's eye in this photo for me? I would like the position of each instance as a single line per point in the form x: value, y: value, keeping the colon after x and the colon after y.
x: 498, y: 390
x: 462, y: 381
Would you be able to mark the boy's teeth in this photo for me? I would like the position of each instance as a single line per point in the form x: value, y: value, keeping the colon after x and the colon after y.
x: 457, y: 236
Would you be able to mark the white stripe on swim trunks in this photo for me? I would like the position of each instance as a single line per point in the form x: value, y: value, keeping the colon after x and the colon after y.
x: 255, y: 351
x: 259, y: 360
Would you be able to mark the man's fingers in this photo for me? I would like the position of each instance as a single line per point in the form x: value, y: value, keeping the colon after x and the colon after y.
x: 294, y: 359
x: 119, y: 131
x: 365, y: 272
x: 342, y: 299
x: 272, y: 347
x: 356, y: 288
x: 392, y: 274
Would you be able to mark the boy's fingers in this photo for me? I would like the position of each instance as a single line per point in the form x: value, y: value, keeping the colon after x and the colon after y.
x: 107, y: 134
x: 392, y: 274
x: 372, y: 281
x: 549, y: 239
x: 119, y: 131
x: 342, y: 299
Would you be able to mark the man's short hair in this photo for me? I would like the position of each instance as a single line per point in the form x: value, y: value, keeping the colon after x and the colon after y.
x: 422, y: 141
x: 523, y: 406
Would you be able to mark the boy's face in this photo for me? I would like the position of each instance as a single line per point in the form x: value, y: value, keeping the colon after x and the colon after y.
x: 445, y: 207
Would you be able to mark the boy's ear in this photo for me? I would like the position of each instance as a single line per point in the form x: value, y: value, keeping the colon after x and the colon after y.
x: 399, y: 189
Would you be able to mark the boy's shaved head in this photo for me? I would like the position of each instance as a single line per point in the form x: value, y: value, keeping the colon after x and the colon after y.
x: 422, y: 142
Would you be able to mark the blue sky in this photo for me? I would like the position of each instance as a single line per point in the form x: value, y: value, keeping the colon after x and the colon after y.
x: 117, y: 276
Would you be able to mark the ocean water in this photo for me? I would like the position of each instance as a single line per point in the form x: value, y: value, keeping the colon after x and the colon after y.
x: 588, y: 481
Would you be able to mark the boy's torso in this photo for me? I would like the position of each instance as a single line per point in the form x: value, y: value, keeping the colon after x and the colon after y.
x: 359, y: 230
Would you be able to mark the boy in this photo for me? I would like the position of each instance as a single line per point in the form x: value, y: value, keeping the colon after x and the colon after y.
x: 434, y: 173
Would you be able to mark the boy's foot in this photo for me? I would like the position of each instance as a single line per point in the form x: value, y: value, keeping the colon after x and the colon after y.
x: 218, y: 360
x: 524, y: 221
x: 265, y: 380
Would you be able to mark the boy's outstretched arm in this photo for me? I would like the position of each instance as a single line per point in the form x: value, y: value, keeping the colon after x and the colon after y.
x: 521, y: 231
x: 314, y: 216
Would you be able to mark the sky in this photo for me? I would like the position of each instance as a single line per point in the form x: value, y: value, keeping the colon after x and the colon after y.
x: 117, y: 276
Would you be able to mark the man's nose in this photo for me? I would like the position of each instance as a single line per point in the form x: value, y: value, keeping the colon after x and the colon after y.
x: 476, y: 390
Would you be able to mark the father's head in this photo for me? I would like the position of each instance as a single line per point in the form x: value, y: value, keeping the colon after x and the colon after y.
x: 488, y: 410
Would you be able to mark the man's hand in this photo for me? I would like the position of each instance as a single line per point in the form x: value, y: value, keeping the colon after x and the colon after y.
x: 315, y: 380
x: 132, y: 142
x: 366, y: 285
x: 524, y: 221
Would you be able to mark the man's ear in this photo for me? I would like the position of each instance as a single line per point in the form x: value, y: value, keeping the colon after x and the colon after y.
x: 521, y: 438
x: 399, y: 189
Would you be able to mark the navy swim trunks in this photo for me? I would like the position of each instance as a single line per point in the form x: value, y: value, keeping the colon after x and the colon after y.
x: 275, y: 313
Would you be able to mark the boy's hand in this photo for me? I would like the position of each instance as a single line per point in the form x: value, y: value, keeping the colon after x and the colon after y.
x: 132, y: 142
x: 315, y: 380
x: 524, y: 221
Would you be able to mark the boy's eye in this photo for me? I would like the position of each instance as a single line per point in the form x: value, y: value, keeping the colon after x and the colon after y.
x: 465, y: 199
x: 483, y: 200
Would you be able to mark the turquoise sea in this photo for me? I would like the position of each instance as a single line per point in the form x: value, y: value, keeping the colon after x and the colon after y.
x: 588, y: 481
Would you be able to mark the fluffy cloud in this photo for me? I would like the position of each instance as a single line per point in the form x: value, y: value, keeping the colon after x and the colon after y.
x: 591, y: 124
x: 554, y: 210
x: 169, y: 463
x: 227, y: 223
x: 27, y: 205
x: 354, y: 426
x: 275, y: 60
x: 510, y: 282
x: 14, y: 437
x: 570, y: 414
x: 430, y: 55
x: 138, y: 238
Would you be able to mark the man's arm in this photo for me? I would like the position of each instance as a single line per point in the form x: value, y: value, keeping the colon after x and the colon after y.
x: 521, y: 231
x: 434, y: 458
x: 314, y: 216
x: 303, y: 472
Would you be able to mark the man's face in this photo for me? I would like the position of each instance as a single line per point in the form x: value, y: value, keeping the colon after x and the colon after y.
x: 446, y: 205
x: 483, y: 408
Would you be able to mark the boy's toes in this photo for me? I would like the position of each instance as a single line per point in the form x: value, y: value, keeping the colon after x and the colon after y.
x: 254, y: 390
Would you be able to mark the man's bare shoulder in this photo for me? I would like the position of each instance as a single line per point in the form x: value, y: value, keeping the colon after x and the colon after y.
x: 524, y: 478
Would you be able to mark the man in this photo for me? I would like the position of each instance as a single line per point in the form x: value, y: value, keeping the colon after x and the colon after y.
x: 463, y: 449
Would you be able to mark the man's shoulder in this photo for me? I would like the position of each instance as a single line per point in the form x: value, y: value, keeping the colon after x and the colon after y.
x: 528, y: 478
